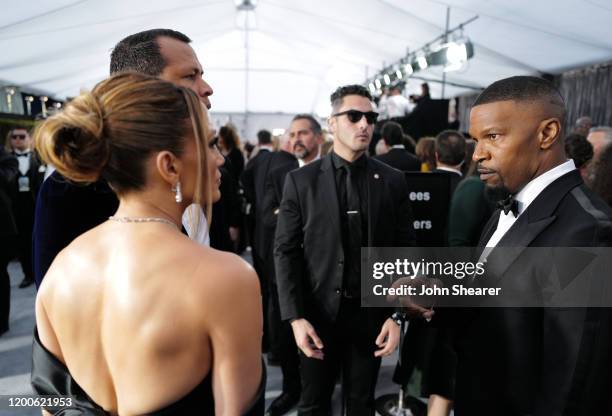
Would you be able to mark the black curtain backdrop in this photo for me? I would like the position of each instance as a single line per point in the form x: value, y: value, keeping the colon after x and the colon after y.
x: 587, y: 92
x: 464, y: 105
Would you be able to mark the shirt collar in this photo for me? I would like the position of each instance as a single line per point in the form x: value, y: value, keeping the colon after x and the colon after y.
x: 531, y: 191
x: 266, y: 147
x: 398, y: 146
x: 339, y: 162
x: 449, y: 169
x: 302, y: 163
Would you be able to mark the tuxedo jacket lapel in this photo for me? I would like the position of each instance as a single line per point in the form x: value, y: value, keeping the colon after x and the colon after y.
x: 538, y: 216
x: 513, y: 243
x: 375, y: 181
x: 329, y: 196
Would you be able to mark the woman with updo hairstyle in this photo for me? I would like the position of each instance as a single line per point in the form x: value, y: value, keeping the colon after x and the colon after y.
x: 133, y: 317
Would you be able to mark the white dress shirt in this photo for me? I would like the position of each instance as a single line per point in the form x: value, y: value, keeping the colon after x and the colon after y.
x: 397, y: 106
x: 24, y: 162
x: 526, y: 196
x: 189, y: 217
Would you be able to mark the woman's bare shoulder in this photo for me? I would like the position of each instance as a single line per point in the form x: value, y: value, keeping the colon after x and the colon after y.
x: 221, y: 268
x: 225, y: 279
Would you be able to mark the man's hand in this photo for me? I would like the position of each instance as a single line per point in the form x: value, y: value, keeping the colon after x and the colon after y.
x: 388, y: 339
x: 307, y: 339
x: 415, y: 306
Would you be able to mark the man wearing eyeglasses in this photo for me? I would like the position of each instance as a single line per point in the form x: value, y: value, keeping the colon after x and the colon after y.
x: 330, y: 209
x: 31, y: 175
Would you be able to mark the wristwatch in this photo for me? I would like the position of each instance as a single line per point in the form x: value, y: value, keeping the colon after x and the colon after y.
x: 398, y: 318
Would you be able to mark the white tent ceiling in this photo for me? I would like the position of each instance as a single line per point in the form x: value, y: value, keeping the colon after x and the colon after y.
x: 299, y: 50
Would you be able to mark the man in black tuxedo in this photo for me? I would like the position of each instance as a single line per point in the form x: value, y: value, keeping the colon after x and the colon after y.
x: 397, y: 156
x: 304, y: 140
x: 330, y: 209
x: 64, y: 210
x: 450, y: 155
x: 532, y: 361
x: 25, y: 189
x: 252, y: 179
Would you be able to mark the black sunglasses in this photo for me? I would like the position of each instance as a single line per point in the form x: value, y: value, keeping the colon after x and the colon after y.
x: 18, y: 136
x: 355, y: 116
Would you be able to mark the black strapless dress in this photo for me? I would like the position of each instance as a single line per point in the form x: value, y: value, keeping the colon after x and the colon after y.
x: 51, y: 377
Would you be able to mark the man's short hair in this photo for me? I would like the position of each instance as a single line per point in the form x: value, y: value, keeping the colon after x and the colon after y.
x: 523, y: 89
x: 315, y: 126
x: 392, y: 133
x: 355, y: 89
x: 577, y: 147
x: 450, y: 147
x: 584, y: 121
x: 140, y: 52
x: 264, y: 137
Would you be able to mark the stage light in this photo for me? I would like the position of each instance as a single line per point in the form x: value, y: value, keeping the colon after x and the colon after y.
x: 387, y: 79
x: 245, y: 4
x: 459, y: 52
x: 377, y: 83
x: 408, y: 69
x: 372, y: 87
x: 399, y: 74
x: 422, y: 62
x: 29, y: 100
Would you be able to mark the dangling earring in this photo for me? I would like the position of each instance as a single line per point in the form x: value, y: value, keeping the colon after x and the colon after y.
x: 178, y: 196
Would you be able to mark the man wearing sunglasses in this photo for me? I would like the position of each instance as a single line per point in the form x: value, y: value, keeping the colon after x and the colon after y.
x: 330, y: 209
x: 31, y: 175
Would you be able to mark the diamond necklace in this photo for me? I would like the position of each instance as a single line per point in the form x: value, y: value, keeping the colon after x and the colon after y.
x: 143, y: 219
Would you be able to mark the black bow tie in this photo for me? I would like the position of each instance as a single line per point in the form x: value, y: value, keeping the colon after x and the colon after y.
x: 22, y: 154
x: 509, y: 204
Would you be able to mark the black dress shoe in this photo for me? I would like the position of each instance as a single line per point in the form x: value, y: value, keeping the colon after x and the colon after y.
x: 282, y: 404
x: 25, y: 283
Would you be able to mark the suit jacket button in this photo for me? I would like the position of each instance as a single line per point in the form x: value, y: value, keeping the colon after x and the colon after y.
x: 337, y: 291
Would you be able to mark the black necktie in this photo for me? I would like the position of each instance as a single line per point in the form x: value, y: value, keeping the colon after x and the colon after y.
x: 509, y: 204
x: 353, y: 209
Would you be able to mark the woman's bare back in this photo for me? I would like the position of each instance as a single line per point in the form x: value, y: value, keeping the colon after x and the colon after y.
x: 136, y: 308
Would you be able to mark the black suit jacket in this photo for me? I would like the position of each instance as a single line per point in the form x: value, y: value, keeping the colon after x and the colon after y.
x: 35, y: 174
x: 308, y: 252
x: 253, y: 179
x: 401, y: 159
x: 9, y: 171
x: 225, y: 213
x: 455, y: 179
x: 539, y: 361
x: 282, y: 163
x: 63, y: 212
